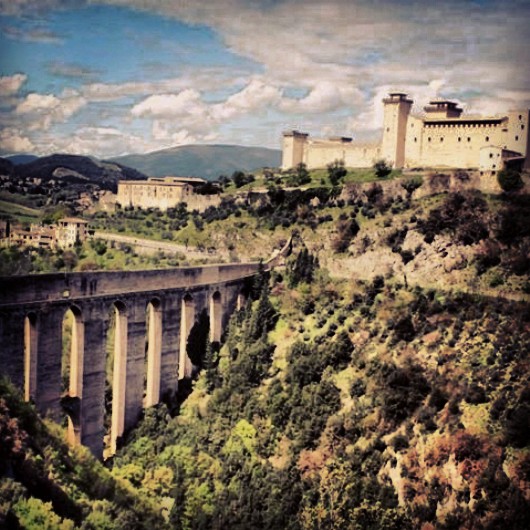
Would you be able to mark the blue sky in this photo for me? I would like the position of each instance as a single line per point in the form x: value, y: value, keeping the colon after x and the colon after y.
x: 109, y: 77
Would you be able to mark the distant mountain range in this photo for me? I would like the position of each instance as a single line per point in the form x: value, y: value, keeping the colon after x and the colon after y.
x: 207, y: 161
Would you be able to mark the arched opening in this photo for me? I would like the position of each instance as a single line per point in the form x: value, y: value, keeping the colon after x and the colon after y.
x: 73, y: 341
x: 116, y: 372
x: 186, y: 323
x: 30, y: 356
x: 216, y: 317
x: 241, y: 300
x: 153, y: 351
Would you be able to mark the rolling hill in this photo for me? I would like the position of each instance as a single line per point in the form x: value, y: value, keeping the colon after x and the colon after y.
x: 72, y: 169
x: 207, y: 161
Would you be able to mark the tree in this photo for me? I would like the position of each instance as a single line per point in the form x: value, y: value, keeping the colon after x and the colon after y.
x: 411, y: 185
x: 198, y: 338
x: 302, y: 268
x: 336, y: 171
x: 510, y: 180
x: 238, y: 177
x: 265, y: 316
x: 301, y: 175
x: 381, y: 169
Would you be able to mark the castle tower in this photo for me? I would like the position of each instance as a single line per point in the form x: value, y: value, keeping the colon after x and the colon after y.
x: 293, y: 148
x: 396, y: 112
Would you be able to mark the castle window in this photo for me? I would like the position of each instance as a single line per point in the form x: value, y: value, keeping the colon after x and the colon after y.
x: 487, y: 138
x: 387, y: 129
x: 469, y: 139
x: 459, y: 139
x: 429, y: 139
x: 520, y: 116
x: 522, y: 127
x: 442, y: 139
x: 516, y: 138
x: 415, y: 139
x: 493, y: 172
x: 491, y: 155
x: 494, y: 166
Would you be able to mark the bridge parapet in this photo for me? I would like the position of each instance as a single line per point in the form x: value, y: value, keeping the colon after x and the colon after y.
x: 62, y: 286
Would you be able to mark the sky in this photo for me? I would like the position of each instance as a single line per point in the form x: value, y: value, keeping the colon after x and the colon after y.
x: 112, y: 77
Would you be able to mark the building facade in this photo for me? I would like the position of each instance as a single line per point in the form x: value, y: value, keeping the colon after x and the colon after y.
x: 440, y: 137
x: 164, y: 193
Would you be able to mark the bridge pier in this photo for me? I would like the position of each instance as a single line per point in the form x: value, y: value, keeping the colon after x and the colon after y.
x: 92, y: 412
x: 169, y: 354
x: 49, y: 355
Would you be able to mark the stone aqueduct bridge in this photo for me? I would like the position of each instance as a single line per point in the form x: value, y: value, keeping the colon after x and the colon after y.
x: 162, y: 304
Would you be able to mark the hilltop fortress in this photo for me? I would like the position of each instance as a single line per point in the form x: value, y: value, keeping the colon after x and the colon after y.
x: 441, y: 137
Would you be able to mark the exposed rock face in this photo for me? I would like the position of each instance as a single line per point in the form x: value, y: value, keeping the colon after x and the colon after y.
x: 432, y: 184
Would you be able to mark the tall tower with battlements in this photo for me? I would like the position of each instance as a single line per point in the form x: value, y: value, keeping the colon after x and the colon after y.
x: 396, y: 112
x: 293, y: 148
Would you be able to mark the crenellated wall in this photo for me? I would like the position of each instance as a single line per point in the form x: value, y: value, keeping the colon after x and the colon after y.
x: 153, y: 314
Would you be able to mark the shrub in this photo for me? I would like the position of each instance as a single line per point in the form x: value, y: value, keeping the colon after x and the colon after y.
x: 399, y: 442
x: 381, y: 169
x: 509, y: 180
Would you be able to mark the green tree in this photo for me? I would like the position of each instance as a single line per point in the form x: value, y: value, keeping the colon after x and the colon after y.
x: 301, y: 175
x: 198, y: 339
x: 239, y: 179
x: 509, y: 180
x: 381, y: 169
x: 336, y: 172
x: 264, y: 317
x: 411, y: 185
x: 302, y: 268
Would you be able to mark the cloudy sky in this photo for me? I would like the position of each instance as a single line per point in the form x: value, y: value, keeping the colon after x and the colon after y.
x: 109, y: 77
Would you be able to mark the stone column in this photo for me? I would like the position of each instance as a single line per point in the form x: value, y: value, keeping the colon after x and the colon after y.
x: 119, y: 377
x: 134, y: 390
x: 49, y: 354
x: 171, y: 316
x: 154, y: 343
x: 12, y: 345
x: 31, y: 337
x: 92, y: 411
x: 216, y: 316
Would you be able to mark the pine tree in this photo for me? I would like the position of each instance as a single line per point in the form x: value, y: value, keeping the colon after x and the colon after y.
x: 263, y: 318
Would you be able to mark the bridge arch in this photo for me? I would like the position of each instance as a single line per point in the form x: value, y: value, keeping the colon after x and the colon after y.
x: 216, y: 316
x: 119, y: 375
x: 154, y: 352
x: 187, y: 320
x: 73, y: 329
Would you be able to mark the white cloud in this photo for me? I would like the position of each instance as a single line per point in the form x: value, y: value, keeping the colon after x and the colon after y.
x: 42, y: 110
x: 186, y: 103
x: 325, y: 96
x: 13, y: 141
x: 11, y: 84
x: 186, y: 115
x: 255, y: 96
